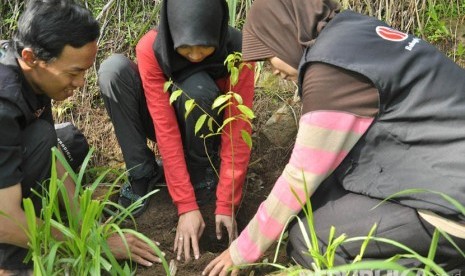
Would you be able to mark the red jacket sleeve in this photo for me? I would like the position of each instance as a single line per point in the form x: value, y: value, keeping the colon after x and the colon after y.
x: 235, y: 153
x: 167, y: 131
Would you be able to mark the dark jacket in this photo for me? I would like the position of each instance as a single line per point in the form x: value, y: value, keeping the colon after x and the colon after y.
x: 19, y: 107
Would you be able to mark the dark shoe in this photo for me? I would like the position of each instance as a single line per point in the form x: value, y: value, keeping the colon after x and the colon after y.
x: 160, y: 173
x: 205, y: 190
x: 127, y: 197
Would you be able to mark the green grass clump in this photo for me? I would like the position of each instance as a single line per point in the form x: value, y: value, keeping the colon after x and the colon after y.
x: 81, y: 248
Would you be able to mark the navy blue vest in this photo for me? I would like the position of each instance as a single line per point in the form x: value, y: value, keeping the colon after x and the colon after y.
x: 418, y: 138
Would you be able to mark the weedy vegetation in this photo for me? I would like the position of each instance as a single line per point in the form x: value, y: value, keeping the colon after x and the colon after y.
x: 78, y: 245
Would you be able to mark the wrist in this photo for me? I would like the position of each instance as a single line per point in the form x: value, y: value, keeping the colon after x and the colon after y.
x: 223, y: 209
x: 187, y: 207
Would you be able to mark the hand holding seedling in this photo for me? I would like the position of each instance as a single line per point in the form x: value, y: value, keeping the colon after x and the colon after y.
x: 190, y: 229
x: 137, y: 250
x: 229, y: 223
x: 220, y: 265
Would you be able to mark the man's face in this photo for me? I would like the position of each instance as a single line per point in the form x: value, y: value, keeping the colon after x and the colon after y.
x: 59, y: 77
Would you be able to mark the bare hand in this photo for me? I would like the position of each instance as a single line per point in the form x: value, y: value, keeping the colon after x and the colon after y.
x: 138, y: 250
x: 220, y: 265
x: 190, y: 229
x: 229, y: 223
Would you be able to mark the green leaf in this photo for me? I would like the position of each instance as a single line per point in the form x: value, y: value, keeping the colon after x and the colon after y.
x: 460, y: 49
x: 234, y: 75
x: 448, y: 198
x: 57, y: 153
x: 433, y: 247
x: 247, y: 139
x: 189, y: 105
x: 52, y: 255
x: 220, y: 100
x: 246, y: 111
x: 167, y: 85
x: 226, y: 122
x: 223, y: 107
x: 238, y: 98
x: 210, y: 124
x: 365, y: 244
x: 175, y: 95
x: 30, y: 218
x: 330, y: 251
x: 200, y: 122
x: 63, y: 229
x: 80, y: 176
x: 448, y: 238
x: 106, y: 264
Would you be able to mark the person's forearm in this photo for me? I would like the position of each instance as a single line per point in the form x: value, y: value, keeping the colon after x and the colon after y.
x: 323, y: 140
x: 13, y: 230
x: 14, y: 223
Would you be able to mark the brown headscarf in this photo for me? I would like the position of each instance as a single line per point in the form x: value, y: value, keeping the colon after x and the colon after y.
x: 284, y: 28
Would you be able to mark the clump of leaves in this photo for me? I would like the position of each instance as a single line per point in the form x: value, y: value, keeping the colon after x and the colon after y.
x: 82, y: 248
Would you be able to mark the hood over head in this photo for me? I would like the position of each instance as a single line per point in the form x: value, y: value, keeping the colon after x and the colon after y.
x: 192, y: 23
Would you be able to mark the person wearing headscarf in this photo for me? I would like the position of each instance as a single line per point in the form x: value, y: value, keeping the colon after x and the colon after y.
x: 376, y: 121
x: 189, y: 48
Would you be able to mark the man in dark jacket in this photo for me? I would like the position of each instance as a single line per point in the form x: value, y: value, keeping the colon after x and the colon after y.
x: 56, y: 42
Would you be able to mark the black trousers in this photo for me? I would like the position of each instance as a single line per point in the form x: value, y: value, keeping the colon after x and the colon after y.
x: 125, y: 102
x: 353, y: 214
x: 37, y: 141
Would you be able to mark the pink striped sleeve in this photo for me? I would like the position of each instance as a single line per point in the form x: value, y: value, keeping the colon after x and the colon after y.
x: 282, y: 191
x: 339, y: 121
x: 326, y: 160
x: 267, y: 225
x: 246, y: 244
x: 323, y: 141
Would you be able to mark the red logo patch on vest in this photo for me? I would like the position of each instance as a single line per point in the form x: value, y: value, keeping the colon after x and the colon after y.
x: 391, y: 34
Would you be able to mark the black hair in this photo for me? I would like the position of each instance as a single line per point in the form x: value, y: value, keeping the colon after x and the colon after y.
x: 47, y: 26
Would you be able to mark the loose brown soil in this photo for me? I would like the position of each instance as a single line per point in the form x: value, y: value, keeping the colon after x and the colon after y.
x: 159, y: 223
x: 160, y: 220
